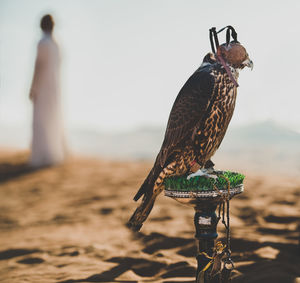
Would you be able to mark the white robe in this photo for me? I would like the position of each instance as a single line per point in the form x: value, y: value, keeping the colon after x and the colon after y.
x: 48, y: 144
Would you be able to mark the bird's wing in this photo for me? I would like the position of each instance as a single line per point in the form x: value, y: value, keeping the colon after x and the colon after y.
x: 187, y: 112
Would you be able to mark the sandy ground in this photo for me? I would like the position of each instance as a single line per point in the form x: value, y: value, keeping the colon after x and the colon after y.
x: 67, y: 224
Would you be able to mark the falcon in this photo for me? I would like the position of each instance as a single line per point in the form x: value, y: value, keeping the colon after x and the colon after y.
x: 198, y: 121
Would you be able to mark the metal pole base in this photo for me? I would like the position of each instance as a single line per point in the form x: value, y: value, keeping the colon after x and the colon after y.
x: 205, y: 221
x: 214, y: 262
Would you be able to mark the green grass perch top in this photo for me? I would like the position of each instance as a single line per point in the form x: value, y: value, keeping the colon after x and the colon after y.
x: 201, y: 183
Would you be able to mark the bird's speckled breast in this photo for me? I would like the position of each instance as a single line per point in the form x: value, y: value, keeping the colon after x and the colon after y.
x: 214, y: 125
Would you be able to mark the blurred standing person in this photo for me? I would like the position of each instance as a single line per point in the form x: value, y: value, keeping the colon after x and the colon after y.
x: 48, y: 143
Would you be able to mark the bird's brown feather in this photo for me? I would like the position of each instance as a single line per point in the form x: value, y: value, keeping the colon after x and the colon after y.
x: 189, y: 108
x: 196, y: 127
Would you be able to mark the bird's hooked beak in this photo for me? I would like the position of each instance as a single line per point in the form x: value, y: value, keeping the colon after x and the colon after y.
x: 248, y: 63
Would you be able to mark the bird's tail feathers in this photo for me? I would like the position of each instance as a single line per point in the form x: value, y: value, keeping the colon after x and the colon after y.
x: 141, y: 213
x: 148, y: 183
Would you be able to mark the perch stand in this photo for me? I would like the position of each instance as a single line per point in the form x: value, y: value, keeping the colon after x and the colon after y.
x: 205, y: 196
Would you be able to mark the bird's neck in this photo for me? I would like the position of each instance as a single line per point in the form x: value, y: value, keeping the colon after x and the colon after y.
x: 233, y: 75
x: 235, y: 72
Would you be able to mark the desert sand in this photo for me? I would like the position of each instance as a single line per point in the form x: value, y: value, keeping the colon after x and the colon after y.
x: 67, y: 224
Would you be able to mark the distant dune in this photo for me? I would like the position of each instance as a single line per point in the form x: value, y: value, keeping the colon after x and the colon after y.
x: 261, y: 147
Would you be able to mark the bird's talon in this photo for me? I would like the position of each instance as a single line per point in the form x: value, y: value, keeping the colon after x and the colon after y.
x: 208, y: 176
x: 204, y: 173
x: 213, y: 176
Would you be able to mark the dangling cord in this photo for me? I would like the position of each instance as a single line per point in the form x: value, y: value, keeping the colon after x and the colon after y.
x: 228, y: 227
x: 222, y: 207
x: 227, y: 213
x: 219, y: 211
x: 228, y: 263
x: 227, y: 224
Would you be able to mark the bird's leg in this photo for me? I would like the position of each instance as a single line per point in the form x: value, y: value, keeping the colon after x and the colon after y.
x: 206, y: 171
x: 209, y: 165
x: 202, y: 172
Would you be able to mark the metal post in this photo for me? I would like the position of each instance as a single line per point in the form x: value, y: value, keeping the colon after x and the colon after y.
x: 206, y: 222
x: 213, y: 259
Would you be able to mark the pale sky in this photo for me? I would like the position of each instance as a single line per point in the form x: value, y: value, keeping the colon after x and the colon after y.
x: 124, y: 61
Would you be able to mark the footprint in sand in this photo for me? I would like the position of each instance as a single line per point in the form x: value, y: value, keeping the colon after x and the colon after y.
x: 11, y: 253
x: 31, y: 260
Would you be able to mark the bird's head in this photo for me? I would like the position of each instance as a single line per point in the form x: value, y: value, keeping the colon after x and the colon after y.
x: 235, y: 55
